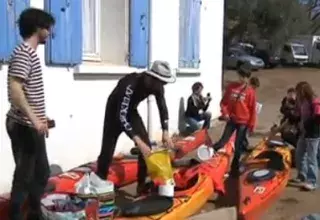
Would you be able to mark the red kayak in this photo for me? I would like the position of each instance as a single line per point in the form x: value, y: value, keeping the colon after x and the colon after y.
x: 194, y: 186
x: 191, y: 142
x: 122, y: 171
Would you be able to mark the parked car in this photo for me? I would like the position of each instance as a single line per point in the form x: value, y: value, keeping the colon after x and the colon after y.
x: 269, y: 60
x: 236, y: 57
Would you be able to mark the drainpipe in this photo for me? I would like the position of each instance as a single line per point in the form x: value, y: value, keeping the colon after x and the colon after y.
x: 150, y: 99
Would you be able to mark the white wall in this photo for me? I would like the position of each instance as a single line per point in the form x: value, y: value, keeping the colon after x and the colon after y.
x: 77, y: 103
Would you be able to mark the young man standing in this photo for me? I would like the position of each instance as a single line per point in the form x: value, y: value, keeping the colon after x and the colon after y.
x: 121, y: 115
x: 238, y: 108
x: 26, y: 120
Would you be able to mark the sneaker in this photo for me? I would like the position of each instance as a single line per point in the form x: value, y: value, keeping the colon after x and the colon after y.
x: 296, y: 181
x: 309, y: 187
x: 100, y: 186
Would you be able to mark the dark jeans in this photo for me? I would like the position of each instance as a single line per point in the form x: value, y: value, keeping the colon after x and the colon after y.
x: 31, y: 172
x: 241, y: 132
x: 111, y: 132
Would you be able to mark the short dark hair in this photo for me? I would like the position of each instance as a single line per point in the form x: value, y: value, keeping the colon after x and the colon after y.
x: 254, y: 81
x: 291, y: 90
x: 244, y: 72
x: 32, y: 19
x: 196, y: 86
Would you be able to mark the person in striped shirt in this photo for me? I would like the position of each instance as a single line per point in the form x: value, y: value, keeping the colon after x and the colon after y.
x: 26, y: 120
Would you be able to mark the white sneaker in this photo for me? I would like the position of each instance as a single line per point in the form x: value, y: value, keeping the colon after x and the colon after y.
x: 99, y: 185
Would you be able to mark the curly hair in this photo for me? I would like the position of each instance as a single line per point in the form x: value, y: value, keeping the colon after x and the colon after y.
x: 305, y: 91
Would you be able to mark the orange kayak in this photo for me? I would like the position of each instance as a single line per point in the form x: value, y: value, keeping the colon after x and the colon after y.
x: 190, y: 143
x: 264, y: 175
x: 194, y: 186
x: 122, y: 171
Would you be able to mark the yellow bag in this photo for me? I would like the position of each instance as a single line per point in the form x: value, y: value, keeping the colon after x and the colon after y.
x: 159, y: 165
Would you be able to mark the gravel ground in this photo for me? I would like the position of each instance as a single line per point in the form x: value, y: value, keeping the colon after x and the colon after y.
x: 293, y: 203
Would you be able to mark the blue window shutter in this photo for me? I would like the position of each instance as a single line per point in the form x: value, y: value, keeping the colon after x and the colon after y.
x: 189, y: 33
x: 139, y: 33
x: 195, y: 23
x: 10, y: 37
x: 64, y: 48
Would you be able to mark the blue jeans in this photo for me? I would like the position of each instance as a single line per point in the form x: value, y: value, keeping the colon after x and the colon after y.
x: 301, y: 159
x: 194, y: 122
x: 307, y: 159
x: 312, y: 149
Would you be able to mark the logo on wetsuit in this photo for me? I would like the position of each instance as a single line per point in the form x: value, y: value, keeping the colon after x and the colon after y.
x: 124, y: 107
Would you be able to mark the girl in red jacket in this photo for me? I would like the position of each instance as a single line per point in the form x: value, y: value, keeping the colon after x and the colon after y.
x: 238, y: 108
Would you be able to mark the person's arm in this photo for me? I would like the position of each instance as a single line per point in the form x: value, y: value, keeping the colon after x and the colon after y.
x: 163, y: 109
x: 19, y: 68
x: 283, y: 106
x: 206, y: 106
x: 192, y: 108
x: 224, y: 102
x: 252, y: 109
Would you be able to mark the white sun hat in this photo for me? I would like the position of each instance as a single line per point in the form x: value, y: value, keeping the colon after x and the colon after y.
x: 162, y: 71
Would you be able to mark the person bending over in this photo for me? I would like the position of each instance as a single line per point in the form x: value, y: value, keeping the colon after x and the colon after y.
x: 288, y: 105
x: 238, y: 108
x: 197, y: 108
x: 121, y: 115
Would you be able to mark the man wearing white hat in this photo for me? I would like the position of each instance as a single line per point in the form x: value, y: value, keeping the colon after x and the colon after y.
x: 121, y: 115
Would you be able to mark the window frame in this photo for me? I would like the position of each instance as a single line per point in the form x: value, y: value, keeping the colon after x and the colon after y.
x: 97, y: 55
x: 195, y: 69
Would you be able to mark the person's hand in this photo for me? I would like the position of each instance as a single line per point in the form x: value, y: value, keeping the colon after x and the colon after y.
x: 224, y: 118
x: 166, y: 140
x: 250, y: 131
x: 41, y: 127
x: 143, y: 147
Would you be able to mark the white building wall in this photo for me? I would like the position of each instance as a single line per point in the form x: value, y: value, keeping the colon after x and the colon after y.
x: 77, y: 102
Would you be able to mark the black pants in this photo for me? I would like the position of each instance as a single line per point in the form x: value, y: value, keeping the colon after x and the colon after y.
x: 111, y: 132
x: 241, y: 131
x: 32, y: 169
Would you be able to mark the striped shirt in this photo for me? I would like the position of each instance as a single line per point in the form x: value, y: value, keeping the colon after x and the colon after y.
x: 25, y: 64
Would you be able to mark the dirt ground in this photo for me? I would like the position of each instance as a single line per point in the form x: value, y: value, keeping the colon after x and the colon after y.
x: 293, y: 204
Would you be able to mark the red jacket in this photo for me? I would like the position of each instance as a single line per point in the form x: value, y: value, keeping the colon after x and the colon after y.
x: 239, y: 103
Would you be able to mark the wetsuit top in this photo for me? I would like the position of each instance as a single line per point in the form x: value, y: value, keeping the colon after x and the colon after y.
x: 133, y: 89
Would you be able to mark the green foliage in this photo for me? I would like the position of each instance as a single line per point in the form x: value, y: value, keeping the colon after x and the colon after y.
x: 272, y: 20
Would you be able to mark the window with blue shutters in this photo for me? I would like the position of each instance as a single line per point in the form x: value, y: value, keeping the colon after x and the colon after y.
x: 109, y: 32
x: 139, y: 33
x: 189, y: 33
x: 64, y: 47
x: 10, y: 37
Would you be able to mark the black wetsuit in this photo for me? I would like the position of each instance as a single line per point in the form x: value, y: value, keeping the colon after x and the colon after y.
x: 121, y: 115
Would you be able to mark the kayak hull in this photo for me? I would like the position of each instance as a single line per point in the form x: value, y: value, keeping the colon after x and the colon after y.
x: 186, y: 202
x: 265, y: 174
x: 190, y: 143
x: 210, y: 179
x: 122, y: 171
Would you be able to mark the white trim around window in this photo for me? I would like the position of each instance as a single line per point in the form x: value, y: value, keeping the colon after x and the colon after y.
x: 91, y: 11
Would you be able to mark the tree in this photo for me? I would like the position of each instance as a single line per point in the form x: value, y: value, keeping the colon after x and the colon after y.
x: 273, y: 20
